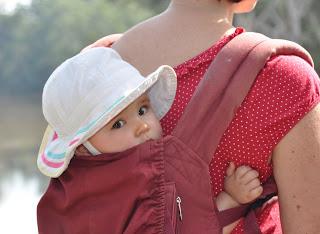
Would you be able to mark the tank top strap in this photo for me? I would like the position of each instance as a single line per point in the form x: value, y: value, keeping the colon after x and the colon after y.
x: 225, y: 86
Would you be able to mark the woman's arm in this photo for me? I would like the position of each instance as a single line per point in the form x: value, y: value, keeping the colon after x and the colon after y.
x: 296, y: 162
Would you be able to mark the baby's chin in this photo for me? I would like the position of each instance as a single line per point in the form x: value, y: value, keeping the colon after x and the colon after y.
x: 159, y: 136
x: 156, y: 137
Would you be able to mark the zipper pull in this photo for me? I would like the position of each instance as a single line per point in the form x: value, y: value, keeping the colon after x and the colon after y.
x: 179, y: 207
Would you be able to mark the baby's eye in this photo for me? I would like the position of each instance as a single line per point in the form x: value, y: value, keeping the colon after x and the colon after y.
x: 118, y: 124
x: 143, y: 110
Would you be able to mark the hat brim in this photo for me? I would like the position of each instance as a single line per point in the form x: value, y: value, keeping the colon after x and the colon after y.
x: 163, y: 92
x: 161, y: 86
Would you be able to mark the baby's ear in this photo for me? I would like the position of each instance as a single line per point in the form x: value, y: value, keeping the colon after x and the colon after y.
x: 231, y: 169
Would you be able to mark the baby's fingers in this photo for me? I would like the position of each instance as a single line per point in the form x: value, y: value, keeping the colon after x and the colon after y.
x: 255, y: 183
x: 241, y: 171
x: 250, y: 175
x: 256, y: 192
x: 231, y: 169
x: 248, y: 195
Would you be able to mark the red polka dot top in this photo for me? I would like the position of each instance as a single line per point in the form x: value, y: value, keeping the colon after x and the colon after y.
x: 284, y: 91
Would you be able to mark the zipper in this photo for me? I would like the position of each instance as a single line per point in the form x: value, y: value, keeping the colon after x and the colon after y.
x: 179, y: 201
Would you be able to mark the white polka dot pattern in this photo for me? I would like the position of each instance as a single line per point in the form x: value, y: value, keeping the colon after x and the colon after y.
x: 285, y: 90
x: 279, y: 98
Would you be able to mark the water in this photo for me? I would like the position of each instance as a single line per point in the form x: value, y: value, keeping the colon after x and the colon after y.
x: 21, y: 184
x: 19, y: 198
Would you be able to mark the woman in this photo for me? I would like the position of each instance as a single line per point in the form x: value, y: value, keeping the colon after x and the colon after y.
x: 276, y: 130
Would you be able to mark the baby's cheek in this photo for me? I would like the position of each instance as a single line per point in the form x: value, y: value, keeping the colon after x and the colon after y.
x: 118, y: 141
x: 158, y: 133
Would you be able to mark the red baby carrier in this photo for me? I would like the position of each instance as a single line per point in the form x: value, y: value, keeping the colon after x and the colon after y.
x: 164, y: 186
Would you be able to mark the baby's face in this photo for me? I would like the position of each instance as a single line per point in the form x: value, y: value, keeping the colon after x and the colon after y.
x: 134, y: 125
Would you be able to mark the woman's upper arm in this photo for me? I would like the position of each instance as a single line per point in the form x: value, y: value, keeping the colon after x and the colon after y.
x: 296, y: 158
x: 296, y: 164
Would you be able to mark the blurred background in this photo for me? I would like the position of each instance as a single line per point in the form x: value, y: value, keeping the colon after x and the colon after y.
x: 37, y: 35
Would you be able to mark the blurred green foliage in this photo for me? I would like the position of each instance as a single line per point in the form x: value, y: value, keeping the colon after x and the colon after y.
x: 35, y: 39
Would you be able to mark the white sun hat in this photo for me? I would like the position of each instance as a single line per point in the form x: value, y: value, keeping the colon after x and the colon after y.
x: 87, y: 91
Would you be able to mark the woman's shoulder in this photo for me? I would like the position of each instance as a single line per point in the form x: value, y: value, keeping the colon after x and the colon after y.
x: 134, y: 46
x: 291, y: 69
x: 289, y: 81
x: 134, y: 38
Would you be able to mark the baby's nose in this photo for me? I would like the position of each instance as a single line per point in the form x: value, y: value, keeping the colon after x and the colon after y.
x: 142, y: 128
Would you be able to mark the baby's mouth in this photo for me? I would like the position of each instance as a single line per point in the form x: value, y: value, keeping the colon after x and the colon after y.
x: 145, y: 138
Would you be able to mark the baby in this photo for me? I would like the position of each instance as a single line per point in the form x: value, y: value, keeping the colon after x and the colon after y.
x: 97, y: 103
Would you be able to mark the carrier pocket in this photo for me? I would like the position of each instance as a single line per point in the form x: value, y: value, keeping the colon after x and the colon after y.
x: 173, y: 208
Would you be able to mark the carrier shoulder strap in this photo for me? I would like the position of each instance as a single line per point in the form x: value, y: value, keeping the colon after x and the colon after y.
x: 224, y: 87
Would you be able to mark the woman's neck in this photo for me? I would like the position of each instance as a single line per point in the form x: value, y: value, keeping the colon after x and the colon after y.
x: 201, y: 12
x: 185, y: 29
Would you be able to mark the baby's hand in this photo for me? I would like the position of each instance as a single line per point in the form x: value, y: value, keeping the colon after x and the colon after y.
x: 242, y: 184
